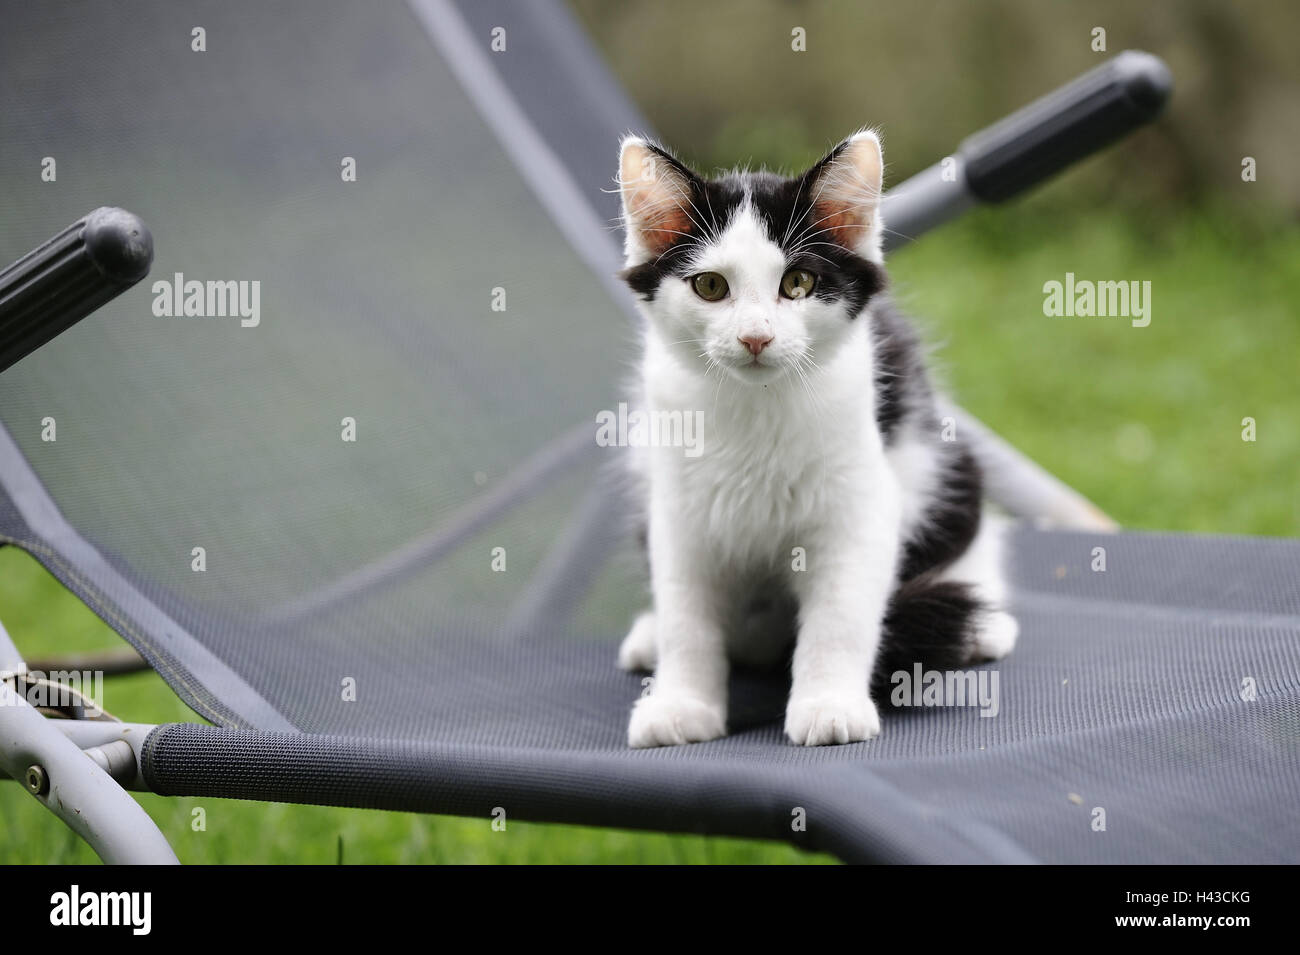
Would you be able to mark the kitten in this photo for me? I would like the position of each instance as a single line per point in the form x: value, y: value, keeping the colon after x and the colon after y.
x: 824, y: 502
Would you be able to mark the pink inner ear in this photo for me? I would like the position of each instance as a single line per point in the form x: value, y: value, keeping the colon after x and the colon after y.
x: 847, y: 191
x: 661, y: 221
x: 844, y: 222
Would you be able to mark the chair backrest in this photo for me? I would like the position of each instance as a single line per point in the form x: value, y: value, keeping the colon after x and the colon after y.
x: 375, y: 437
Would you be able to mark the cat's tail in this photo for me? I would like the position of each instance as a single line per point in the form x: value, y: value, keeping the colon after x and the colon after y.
x: 930, y: 622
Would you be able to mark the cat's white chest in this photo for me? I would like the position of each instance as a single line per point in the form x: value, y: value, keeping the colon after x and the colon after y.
x: 765, y: 481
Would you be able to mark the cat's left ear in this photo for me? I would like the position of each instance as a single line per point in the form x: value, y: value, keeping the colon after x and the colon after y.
x: 845, y: 190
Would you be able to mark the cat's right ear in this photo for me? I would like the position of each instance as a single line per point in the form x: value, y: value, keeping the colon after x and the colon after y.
x: 845, y: 191
x: 656, y: 191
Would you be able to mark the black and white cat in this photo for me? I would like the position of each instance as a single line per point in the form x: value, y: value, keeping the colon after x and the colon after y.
x: 824, y: 500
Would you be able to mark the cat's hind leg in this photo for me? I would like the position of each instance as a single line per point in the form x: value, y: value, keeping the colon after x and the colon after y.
x: 982, y: 567
x: 639, y: 652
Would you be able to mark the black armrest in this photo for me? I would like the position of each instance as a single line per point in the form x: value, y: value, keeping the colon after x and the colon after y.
x: 1038, y: 141
x: 66, y: 278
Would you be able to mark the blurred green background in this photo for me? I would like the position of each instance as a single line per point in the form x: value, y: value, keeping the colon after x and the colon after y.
x: 1145, y: 421
x: 719, y: 81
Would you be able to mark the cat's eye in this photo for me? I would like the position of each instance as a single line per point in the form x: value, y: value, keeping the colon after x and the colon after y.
x: 797, y: 283
x: 710, y: 286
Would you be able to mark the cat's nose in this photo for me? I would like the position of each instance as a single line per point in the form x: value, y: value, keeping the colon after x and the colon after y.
x: 755, y: 343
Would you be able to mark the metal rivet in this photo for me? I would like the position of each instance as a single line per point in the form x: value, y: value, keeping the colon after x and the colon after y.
x: 38, y: 784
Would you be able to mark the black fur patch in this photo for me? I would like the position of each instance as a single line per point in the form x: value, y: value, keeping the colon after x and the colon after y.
x: 902, y: 385
x: 952, y: 519
x: 930, y: 622
x: 785, y: 207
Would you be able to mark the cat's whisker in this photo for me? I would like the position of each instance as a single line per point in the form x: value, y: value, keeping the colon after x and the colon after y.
x: 789, y: 226
x: 812, y: 204
x: 691, y: 242
x: 679, y: 201
x: 797, y: 253
x: 818, y: 410
x: 848, y: 225
x: 806, y: 234
x: 717, y: 389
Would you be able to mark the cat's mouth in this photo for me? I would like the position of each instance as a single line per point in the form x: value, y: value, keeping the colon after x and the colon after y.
x: 745, y: 366
x: 753, y: 369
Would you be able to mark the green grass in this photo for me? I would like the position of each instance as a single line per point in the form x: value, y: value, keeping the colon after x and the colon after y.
x: 1145, y: 421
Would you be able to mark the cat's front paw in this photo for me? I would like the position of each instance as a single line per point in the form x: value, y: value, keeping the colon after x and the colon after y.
x: 832, y: 718
x: 673, y: 720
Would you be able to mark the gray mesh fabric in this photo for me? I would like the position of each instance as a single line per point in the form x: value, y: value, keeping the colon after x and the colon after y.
x: 333, y: 565
x: 376, y: 305
x: 1125, y: 694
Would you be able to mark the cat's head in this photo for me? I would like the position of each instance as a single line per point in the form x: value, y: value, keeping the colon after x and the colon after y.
x: 751, y: 272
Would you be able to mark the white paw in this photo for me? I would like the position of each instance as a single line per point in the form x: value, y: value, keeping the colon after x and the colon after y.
x: 831, y: 718
x: 674, y: 720
x: 638, y: 650
x: 997, y: 636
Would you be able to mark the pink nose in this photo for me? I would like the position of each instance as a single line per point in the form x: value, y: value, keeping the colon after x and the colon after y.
x: 755, y: 343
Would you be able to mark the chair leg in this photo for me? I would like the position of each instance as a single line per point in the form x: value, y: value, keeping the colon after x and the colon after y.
x: 72, y: 783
